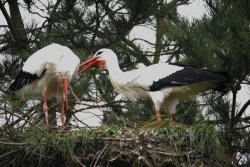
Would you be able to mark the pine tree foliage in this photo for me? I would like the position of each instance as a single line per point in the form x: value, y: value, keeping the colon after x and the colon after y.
x: 219, y: 41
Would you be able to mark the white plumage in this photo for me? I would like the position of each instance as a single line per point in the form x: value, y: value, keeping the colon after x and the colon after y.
x: 165, y: 84
x: 46, y: 73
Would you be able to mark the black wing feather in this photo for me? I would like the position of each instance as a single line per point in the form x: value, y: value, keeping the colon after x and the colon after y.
x: 23, y: 79
x: 189, y: 75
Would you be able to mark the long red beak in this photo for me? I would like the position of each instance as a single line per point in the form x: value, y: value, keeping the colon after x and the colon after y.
x: 65, y: 91
x: 92, y: 61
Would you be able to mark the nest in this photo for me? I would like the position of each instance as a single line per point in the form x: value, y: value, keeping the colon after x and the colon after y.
x: 137, y: 148
x: 116, y: 146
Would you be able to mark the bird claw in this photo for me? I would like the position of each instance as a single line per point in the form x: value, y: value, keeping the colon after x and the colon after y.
x: 172, y: 122
x: 159, y: 119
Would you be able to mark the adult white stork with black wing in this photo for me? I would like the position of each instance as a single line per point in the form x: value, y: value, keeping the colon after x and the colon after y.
x: 165, y: 83
x: 47, y: 73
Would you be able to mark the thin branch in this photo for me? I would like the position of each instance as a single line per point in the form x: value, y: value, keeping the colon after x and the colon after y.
x: 4, y: 48
x: 233, y: 111
x: 23, y: 119
x: 242, y: 110
x: 12, y: 144
x: 245, y: 118
x: 73, y: 93
x: 8, y: 153
x: 38, y: 14
x: 243, y: 127
x: 143, y: 41
x: 81, y: 122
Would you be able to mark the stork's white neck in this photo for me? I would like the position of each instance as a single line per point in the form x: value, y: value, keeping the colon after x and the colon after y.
x: 112, y: 66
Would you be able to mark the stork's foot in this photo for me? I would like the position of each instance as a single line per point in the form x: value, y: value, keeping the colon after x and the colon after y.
x: 158, y: 116
x: 159, y: 119
x: 173, y: 123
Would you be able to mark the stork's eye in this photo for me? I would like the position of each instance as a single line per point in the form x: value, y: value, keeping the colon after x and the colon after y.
x: 98, y: 53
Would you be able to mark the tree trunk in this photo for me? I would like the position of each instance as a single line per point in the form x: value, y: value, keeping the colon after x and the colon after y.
x: 159, y: 35
x: 16, y: 18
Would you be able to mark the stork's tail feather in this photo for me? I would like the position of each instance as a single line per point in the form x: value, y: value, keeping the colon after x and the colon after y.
x: 222, y: 87
x: 223, y: 74
x: 17, y: 84
x: 224, y: 80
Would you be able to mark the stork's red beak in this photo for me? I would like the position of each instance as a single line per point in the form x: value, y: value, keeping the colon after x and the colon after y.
x: 92, y: 62
x: 65, y: 91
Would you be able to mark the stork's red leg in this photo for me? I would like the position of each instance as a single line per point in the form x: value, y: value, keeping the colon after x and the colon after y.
x: 170, y: 117
x: 46, y: 108
x: 158, y: 116
x: 62, y: 112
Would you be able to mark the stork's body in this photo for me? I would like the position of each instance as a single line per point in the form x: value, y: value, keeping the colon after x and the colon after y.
x: 165, y: 83
x: 46, y: 73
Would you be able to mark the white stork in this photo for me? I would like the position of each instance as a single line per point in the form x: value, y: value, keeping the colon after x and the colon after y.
x: 47, y: 73
x: 165, y: 83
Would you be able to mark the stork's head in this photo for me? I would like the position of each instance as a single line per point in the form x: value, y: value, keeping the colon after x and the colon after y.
x: 66, y: 69
x: 102, y: 58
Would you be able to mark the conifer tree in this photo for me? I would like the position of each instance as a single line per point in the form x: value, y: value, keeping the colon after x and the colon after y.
x: 220, y: 41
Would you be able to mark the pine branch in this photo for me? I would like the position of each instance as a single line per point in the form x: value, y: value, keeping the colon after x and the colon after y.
x: 242, y: 110
x: 11, y: 113
x: 51, y: 20
x: 243, y: 127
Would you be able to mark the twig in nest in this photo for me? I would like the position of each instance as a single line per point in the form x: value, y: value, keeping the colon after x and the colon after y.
x: 79, y: 161
x: 145, y: 161
x: 134, y: 152
x: 120, y: 119
x: 11, y: 143
x: 100, y: 154
x: 168, y: 154
x: 114, y: 158
x: 180, y: 155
